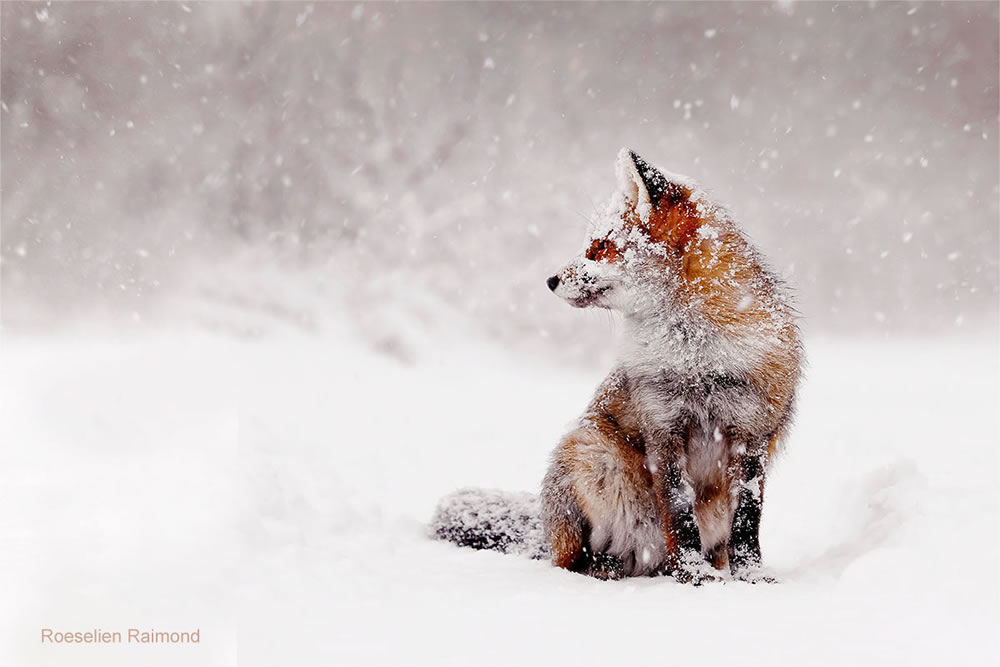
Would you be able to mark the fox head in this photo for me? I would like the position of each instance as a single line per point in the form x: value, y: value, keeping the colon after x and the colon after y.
x: 659, y: 240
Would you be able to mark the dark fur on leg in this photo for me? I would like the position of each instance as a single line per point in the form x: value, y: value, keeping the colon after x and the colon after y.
x: 684, y: 560
x: 744, y: 541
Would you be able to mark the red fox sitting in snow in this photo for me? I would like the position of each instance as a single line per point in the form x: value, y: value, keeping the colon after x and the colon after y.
x: 664, y: 474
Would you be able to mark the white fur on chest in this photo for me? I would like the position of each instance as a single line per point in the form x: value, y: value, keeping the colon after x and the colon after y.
x: 680, y: 347
x: 677, y: 375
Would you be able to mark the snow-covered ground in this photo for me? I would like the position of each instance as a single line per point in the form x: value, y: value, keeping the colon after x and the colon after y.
x: 275, y: 495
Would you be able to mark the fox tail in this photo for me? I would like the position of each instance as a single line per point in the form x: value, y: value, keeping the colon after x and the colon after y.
x: 487, y: 519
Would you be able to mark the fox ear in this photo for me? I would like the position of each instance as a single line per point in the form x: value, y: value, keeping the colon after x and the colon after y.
x: 643, y: 183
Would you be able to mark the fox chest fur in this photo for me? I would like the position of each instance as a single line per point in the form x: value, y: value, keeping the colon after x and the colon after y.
x: 692, y: 400
x: 680, y: 383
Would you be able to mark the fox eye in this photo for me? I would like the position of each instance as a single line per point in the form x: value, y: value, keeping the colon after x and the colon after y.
x: 601, y: 250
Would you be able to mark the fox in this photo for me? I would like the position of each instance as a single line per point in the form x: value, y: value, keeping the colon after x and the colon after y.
x: 664, y: 473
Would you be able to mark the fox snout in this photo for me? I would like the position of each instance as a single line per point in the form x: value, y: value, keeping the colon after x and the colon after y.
x: 581, y: 286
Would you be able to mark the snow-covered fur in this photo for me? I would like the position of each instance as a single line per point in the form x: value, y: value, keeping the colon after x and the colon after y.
x: 488, y: 519
x: 665, y: 471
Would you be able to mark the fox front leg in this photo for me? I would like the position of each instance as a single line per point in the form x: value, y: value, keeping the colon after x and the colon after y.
x: 744, y: 541
x: 675, y: 502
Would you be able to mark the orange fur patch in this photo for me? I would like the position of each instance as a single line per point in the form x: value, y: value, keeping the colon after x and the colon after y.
x: 565, y: 545
x: 603, y: 250
x: 671, y: 223
x: 674, y: 221
x: 778, y: 374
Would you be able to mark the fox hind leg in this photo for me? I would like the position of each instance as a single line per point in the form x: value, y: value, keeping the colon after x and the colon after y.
x: 566, y: 528
x: 564, y: 533
x: 598, y: 513
x: 569, y: 545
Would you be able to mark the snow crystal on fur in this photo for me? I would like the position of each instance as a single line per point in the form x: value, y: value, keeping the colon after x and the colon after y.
x: 485, y: 519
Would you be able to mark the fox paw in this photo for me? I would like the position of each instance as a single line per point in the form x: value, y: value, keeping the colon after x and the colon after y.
x: 694, y: 577
x: 754, y: 576
x: 695, y: 570
x: 605, y: 567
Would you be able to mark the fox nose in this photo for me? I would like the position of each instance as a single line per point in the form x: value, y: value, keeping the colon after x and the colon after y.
x: 553, y: 283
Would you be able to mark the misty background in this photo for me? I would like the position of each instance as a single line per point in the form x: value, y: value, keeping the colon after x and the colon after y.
x: 398, y: 170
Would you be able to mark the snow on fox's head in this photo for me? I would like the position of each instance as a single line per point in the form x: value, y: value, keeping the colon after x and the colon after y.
x: 648, y: 221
